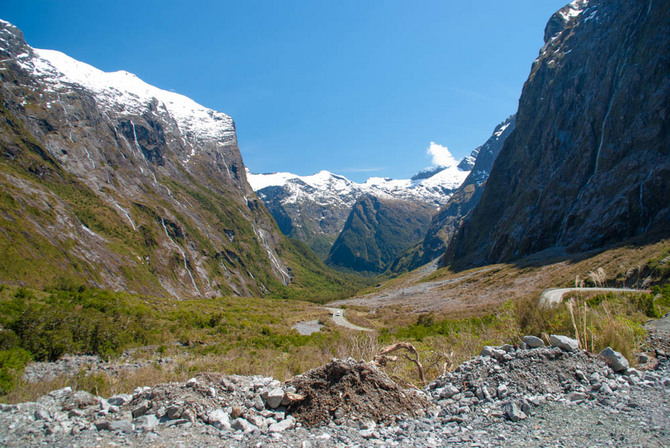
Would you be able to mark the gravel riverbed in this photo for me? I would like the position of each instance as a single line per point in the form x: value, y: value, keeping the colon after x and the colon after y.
x: 508, y: 396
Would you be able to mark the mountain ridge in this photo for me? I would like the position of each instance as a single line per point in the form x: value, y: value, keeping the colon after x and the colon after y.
x: 446, y: 221
x: 121, y: 185
x: 587, y: 165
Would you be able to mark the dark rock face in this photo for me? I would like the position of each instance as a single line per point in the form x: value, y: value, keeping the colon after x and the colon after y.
x: 123, y: 189
x: 588, y: 163
x: 445, y: 223
x: 377, y: 230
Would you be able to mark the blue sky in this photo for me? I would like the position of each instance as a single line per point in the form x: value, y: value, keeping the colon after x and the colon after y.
x: 359, y: 88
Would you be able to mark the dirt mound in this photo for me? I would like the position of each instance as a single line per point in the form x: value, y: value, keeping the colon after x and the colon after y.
x: 352, y: 390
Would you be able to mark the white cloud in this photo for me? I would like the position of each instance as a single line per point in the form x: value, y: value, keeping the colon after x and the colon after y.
x: 440, y: 155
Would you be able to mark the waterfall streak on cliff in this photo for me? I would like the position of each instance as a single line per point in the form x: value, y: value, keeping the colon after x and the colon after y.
x: 183, y: 254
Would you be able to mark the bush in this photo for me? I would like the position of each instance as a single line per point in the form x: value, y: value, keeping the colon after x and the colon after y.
x: 12, y: 364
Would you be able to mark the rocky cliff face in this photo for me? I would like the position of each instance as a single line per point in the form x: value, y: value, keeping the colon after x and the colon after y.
x: 588, y: 162
x: 108, y: 180
x: 445, y: 223
x: 314, y: 209
x: 377, y: 230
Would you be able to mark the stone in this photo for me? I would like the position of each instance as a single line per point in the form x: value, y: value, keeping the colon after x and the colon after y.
x: 449, y: 391
x: 577, y: 397
x: 367, y: 433
x: 79, y: 400
x: 219, y: 419
x: 614, y: 359
x: 125, y: 426
x: 564, y: 343
x: 258, y: 421
x: 487, y: 350
x: 533, y: 341
x: 243, y: 425
x: 119, y: 400
x: 146, y: 422
x: 174, y: 412
x: 367, y: 424
x: 274, y: 398
x: 287, y: 423
x: 61, y: 394
x: 177, y: 422
x: 502, y: 391
x: 141, y: 409
x: 105, y: 405
x: 513, y: 412
x: 258, y: 403
x: 41, y: 414
x: 228, y: 385
x: 291, y: 398
x: 642, y: 358
x: 189, y: 415
x: 102, y: 425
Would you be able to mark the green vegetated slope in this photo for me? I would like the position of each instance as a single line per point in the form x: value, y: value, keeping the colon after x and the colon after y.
x: 56, y: 226
x: 376, y: 231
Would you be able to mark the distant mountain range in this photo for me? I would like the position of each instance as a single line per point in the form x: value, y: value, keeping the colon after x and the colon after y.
x: 315, y: 208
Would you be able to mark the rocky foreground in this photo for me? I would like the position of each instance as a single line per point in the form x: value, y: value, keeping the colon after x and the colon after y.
x: 529, y: 395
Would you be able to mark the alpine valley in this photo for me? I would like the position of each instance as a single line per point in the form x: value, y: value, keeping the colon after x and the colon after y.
x: 155, y: 292
x: 367, y: 227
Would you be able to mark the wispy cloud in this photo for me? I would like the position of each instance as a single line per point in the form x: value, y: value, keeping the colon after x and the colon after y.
x: 440, y: 155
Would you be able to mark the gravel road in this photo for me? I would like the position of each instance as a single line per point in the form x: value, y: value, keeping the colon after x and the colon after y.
x: 338, y: 318
x: 555, y: 295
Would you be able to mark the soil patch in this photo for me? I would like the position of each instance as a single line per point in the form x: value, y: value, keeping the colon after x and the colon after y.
x: 352, y: 390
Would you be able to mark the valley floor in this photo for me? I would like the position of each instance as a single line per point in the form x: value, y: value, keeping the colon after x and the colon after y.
x: 456, y: 293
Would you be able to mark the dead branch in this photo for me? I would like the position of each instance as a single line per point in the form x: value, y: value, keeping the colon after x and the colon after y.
x: 382, y: 359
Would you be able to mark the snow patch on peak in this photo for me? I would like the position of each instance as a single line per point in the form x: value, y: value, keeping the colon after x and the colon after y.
x: 502, y: 129
x: 125, y: 94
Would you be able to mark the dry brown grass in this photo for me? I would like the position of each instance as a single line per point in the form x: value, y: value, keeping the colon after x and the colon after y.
x: 481, y: 290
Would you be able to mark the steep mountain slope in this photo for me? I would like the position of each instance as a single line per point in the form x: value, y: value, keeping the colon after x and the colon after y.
x: 446, y: 221
x: 107, y: 180
x: 377, y: 230
x: 588, y: 163
x: 314, y: 208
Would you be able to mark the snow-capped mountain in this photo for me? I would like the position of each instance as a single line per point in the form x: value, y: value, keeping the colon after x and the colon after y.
x: 326, y: 187
x: 315, y: 208
x: 122, y: 185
